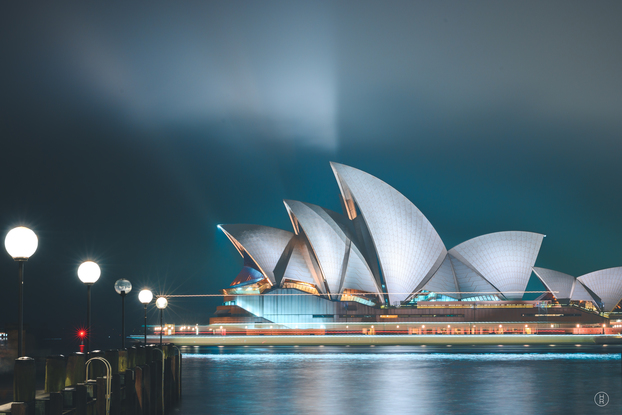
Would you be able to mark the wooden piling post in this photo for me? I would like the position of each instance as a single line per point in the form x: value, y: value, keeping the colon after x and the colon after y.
x: 130, y: 390
x: 168, y: 382
x: 112, y: 356
x: 22, y: 408
x: 123, y: 361
x: 131, y: 357
x: 101, y: 396
x: 147, y: 389
x: 24, y: 380
x: 115, y: 396
x: 149, y: 353
x: 75, y: 372
x: 81, y: 398
x: 140, y: 355
x: 180, y: 372
x: 55, y: 373
x: 176, y: 372
x: 140, y: 390
x: 56, y: 403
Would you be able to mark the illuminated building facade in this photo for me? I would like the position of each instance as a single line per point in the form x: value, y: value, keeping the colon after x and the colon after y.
x: 383, y: 260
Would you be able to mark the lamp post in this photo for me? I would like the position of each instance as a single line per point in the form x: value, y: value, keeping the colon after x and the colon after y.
x: 161, y: 303
x: 89, y: 273
x: 20, y: 243
x: 123, y: 287
x: 145, y: 297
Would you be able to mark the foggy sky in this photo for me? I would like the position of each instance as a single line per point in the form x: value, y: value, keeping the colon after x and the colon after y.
x: 130, y: 131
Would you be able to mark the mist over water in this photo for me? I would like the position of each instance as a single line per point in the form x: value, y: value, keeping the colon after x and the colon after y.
x: 399, y: 379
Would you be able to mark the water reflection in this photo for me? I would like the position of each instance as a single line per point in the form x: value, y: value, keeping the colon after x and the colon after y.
x: 339, y: 380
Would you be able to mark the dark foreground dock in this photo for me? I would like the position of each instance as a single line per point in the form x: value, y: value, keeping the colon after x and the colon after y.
x: 139, y: 381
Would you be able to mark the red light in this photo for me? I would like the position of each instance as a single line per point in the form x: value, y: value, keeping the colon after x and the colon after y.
x: 82, y: 333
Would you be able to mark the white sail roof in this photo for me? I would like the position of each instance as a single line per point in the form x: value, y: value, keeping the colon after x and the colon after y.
x: 263, y: 244
x: 607, y: 284
x: 358, y: 276
x: 340, y: 261
x: 324, y: 239
x: 560, y: 284
x: 580, y: 293
x: 301, y: 265
x: 444, y: 281
x: 505, y: 259
x: 409, y: 248
x: 470, y: 282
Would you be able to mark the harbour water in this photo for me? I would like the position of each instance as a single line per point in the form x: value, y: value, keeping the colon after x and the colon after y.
x: 401, y: 380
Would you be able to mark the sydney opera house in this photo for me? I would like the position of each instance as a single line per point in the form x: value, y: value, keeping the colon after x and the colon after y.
x: 382, y: 262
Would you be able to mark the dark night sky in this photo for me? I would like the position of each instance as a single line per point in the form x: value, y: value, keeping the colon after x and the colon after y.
x: 130, y: 131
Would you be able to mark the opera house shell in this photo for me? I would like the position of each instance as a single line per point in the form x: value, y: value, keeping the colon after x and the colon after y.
x: 382, y: 252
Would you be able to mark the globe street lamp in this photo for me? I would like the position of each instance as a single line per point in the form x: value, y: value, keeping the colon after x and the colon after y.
x: 20, y: 243
x: 89, y: 273
x: 161, y: 303
x: 123, y: 287
x: 145, y: 297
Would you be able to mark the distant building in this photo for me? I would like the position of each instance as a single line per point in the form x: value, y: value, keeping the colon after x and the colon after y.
x: 382, y: 260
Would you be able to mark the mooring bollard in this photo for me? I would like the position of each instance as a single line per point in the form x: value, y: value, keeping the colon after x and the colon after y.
x: 112, y: 356
x: 75, y: 369
x: 55, y: 373
x: 97, y: 368
x: 24, y: 379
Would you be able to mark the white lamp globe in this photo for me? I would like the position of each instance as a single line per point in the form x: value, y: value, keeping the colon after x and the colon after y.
x: 21, y: 243
x: 145, y: 296
x: 123, y: 286
x: 89, y: 272
x: 161, y: 303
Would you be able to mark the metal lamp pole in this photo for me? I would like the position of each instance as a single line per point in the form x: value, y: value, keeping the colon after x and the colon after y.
x: 122, y: 287
x: 123, y: 320
x: 88, y: 272
x: 20, y: 308
x: 20, y: 243
x: 145, y: 297
x: 161, y: 303
x: 88, y: 317
x: 145, y: 324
